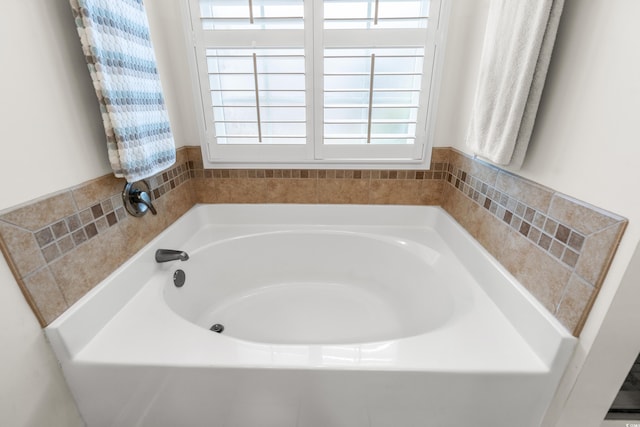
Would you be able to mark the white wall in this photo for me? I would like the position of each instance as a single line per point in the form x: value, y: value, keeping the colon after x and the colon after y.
x: 50, y: 119
x: 464, y: 46
x: 168, y: 37
x: 32, y: 389
x: 51, y: 139
x: 50, y: 116
x: 585, y: 144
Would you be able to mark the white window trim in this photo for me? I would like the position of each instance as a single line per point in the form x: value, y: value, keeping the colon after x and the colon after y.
x: 305, y: 156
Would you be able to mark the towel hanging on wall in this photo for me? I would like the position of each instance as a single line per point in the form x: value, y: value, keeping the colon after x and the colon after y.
x: 515, y: 58
x: 117, y: 46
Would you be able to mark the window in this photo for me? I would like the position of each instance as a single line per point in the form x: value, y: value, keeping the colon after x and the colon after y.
x: 333, y: 83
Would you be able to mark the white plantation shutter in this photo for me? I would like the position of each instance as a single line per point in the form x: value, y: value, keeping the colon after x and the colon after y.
x: 371, y: 96
x: 293, y: 82
x: 367, y: 14
x: 251, y: 14
x: 258, y: 95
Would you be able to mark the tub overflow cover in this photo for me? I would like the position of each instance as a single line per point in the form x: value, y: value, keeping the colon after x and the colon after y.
x: 217, y: 328
x: 179, y: 278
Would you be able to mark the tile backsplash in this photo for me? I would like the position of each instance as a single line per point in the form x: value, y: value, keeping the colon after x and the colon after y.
x: 320, y: 186
x: 557, y: 247
x: 62, y: 246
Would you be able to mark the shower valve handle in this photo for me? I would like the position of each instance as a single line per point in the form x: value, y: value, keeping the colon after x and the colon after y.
x: 136, y: 200
x: 142, y: 197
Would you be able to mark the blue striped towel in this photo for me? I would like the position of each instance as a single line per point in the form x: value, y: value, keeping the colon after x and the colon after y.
x: 117, y: 46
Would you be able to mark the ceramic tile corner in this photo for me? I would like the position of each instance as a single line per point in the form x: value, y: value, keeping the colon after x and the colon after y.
x: 575, y: 303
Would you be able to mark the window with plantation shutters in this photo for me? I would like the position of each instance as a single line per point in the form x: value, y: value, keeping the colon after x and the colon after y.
x: 302, y: 83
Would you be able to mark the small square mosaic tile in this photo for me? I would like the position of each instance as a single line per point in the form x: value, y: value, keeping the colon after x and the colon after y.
x: 67, y: 233
x: 558, y: 240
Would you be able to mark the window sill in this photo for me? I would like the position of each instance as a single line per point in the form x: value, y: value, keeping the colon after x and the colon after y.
x: 320, y: 164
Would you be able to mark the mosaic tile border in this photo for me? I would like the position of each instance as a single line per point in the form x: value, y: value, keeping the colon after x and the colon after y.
x: 557, y: 239
x: 166, y: 181
x: 437, y: 172
x: 70, y: 232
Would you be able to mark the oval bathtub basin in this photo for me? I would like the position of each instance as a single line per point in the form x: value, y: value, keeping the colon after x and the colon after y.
x: 327, y: 316
x: 314, y: 287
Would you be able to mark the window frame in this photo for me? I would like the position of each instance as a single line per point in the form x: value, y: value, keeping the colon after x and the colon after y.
x: 314, y: 154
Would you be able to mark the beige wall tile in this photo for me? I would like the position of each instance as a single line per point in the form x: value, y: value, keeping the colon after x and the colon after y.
x: 81, y: 270
x: 575, y: 302
x: 597, y: 253
x: 182, y: 155
x: 484, y: 227
x: 540, y: 273
x: 531, y: 194
x: 204, y: 190
x: 395, y: 191
x: 23, y: 249
x: 38, y: 214
x: 292, y: 190
x: 138, y: 231
x: 491, y: 232
x: 241, y: 190
x: 430, y: 192
x: 95, y: 191
x: 480, y: 170
x: 459, y: 207
x: 46, y: 294
x: 536, y: 270
x: 448, y: 194
x: 174, y: 204
x: 584, y: 218
x: 194, y: 154
x: 440, y: 155
x: 339, y: 191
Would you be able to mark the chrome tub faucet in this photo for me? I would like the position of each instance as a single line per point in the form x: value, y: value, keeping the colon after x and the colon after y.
x: 166, y: 255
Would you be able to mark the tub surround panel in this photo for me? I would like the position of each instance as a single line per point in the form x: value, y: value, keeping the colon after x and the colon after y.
x: 559, y: 248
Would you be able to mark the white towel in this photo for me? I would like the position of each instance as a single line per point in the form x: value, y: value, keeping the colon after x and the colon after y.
x: 117, y: 46
x: 517, y: 48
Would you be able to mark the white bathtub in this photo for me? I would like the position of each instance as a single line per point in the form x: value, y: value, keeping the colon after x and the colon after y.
x: 333, y: 316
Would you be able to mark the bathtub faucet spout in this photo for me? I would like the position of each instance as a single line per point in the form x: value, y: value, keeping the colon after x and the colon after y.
x: 166, y: 255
